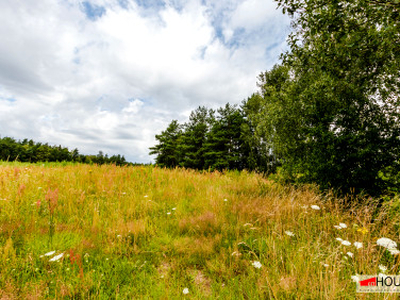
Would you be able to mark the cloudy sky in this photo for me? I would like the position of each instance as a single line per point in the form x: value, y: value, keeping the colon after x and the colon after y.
x: 110, y: 74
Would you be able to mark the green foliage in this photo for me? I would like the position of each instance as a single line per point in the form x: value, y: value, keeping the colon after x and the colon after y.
x: 167, y: 151
x: 194, y: 137
x: 331, y: 110
x: 210, y: 140
x: 30, y: 151
x: 225, y: 144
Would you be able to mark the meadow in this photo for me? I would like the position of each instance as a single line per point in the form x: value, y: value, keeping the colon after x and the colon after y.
x: 74, y: 231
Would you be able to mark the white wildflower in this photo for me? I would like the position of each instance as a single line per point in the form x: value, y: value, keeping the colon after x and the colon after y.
x: 50, y: 253
x: 358, y: 245
x: 340, y: 226
x: 257, y: 264
x: 225, y: 200
x: 168, y: 213
x: 325, y: 265
x: 350, y: 254
x: 339, y: 239
x: 382, y: 268
x: 174, y: 208
x: 355, y: 278
x: 289, y: 233
x: 393, y: 251
x: 316, y: 207
x: 387, y: 243
x: 57, y: 257
x: 346, y: 243
x: 185, y: 291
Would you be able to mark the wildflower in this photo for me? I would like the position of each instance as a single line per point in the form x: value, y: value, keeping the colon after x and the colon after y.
x: 346, y: 243
x: 145, y: 196
x: 325, y: 265
x: 168, y: 213
x: 50, y: 253
x: 289, y: 233
x: 387, y: 243
x: 350, y: 254
x: 225, y: 200
x: 174, y: 208
x: 119, y: 236
x: 57, y: 257
x: 339, y: 239
x: 316, y: 207
x: 363, y: 230
x: 343, y: 225
x: 355, y: 278
x: 257, y: 264
x: 393, y: 251
x: 358, y: 245
x: 382, y: 268
x: 185, y: 291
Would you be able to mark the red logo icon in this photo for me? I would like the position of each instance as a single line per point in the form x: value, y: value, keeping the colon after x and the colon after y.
x: 368, y: 282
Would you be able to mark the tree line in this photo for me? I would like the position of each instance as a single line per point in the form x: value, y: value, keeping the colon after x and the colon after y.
x: 219, y: 139
x: 30, y: 151
x: 328, y: 113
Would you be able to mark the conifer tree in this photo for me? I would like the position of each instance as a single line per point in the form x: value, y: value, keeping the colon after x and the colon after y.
x: 192, y: 144
x: 167, y: 150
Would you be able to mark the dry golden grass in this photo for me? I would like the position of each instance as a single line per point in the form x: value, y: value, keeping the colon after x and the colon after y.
x: 146, y: 232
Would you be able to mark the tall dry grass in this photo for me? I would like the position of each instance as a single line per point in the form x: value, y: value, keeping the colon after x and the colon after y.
x: 146, y: 232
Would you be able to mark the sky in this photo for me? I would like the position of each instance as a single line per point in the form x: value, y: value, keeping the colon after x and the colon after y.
x: 111, y: 74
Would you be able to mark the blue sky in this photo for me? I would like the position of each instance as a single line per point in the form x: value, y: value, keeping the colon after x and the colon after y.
x: 110, y: 74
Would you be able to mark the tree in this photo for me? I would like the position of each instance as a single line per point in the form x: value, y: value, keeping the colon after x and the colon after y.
x: 223, y: 149
x: 192, y: 145
x: 167, y: 151
x: 256, y: 151
x: 332, y: 114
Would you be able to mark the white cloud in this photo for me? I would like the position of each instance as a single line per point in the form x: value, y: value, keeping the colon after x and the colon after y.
x: 112, y: 81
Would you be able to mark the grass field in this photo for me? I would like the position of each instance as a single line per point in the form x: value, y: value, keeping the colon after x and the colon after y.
x: 90, y: 232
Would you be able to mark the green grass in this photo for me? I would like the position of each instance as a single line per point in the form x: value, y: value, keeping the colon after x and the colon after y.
x: 145, y: 232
